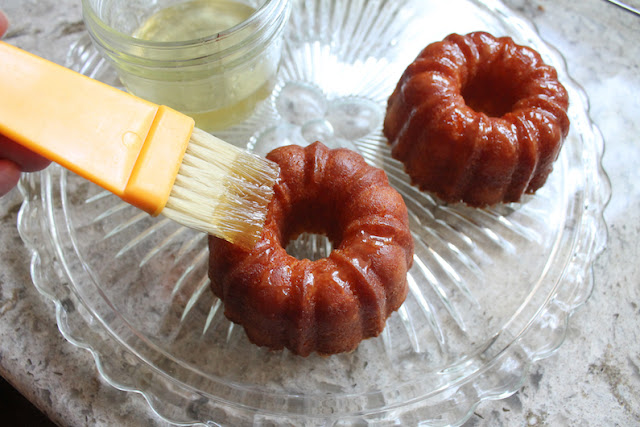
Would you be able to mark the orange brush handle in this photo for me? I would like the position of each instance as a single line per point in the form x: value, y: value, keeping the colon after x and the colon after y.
x: 127, y: 145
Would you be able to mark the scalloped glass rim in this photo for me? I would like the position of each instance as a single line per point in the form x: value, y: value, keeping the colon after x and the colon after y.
x: 181, y: 392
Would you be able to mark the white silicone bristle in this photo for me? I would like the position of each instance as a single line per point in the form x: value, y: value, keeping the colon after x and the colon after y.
x: 222, y: 190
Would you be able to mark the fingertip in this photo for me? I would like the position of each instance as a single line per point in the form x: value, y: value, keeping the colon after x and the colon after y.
x: 26, y: 159
x: 4, y: 23
x: 34, y: 163
x: 9, y: 176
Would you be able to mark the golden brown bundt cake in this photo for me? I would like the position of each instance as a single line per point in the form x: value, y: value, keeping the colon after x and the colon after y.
x: 329, y: 305
x: 477, y: 119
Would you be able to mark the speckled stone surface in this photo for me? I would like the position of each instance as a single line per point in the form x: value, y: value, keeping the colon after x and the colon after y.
x: 592, y: 380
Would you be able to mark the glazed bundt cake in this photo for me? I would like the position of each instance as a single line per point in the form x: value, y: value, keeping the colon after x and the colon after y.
x: 329, y: 305
x: 477, y: 119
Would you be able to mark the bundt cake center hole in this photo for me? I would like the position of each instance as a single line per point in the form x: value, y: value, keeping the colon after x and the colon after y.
x: 490, y: 93
x: 310, y: 227
x: 311, y: 246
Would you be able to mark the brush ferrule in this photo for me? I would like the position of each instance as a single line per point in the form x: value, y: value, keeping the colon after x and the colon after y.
x: 157, y: 166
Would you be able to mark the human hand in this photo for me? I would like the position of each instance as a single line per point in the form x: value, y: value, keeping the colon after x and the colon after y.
x: 14, y: 158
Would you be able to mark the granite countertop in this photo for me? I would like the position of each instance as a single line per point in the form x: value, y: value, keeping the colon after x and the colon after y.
x: 593, y: 379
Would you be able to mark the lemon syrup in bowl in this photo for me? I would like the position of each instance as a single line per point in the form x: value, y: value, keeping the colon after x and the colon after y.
x: 211, y: 59
x: 193, y: 20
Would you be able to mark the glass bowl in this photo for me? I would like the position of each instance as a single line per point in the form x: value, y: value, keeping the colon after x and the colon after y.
x: 491, y: 290
x: 217, y: 79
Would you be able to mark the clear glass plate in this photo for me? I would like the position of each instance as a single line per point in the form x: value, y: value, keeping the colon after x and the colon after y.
x: 491, y: 290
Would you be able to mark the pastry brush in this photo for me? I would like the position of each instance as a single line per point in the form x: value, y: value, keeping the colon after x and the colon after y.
x: 149, y: 155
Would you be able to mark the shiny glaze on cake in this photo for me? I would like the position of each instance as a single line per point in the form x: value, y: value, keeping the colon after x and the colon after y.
x: 477, y: 119
x: 329, y: 305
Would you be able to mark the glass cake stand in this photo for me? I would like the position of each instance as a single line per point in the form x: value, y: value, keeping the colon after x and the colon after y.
x: 491, y: 291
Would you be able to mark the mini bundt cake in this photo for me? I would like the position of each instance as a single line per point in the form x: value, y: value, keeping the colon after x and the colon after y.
x: 477, y: 119
x: 329, y: 305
